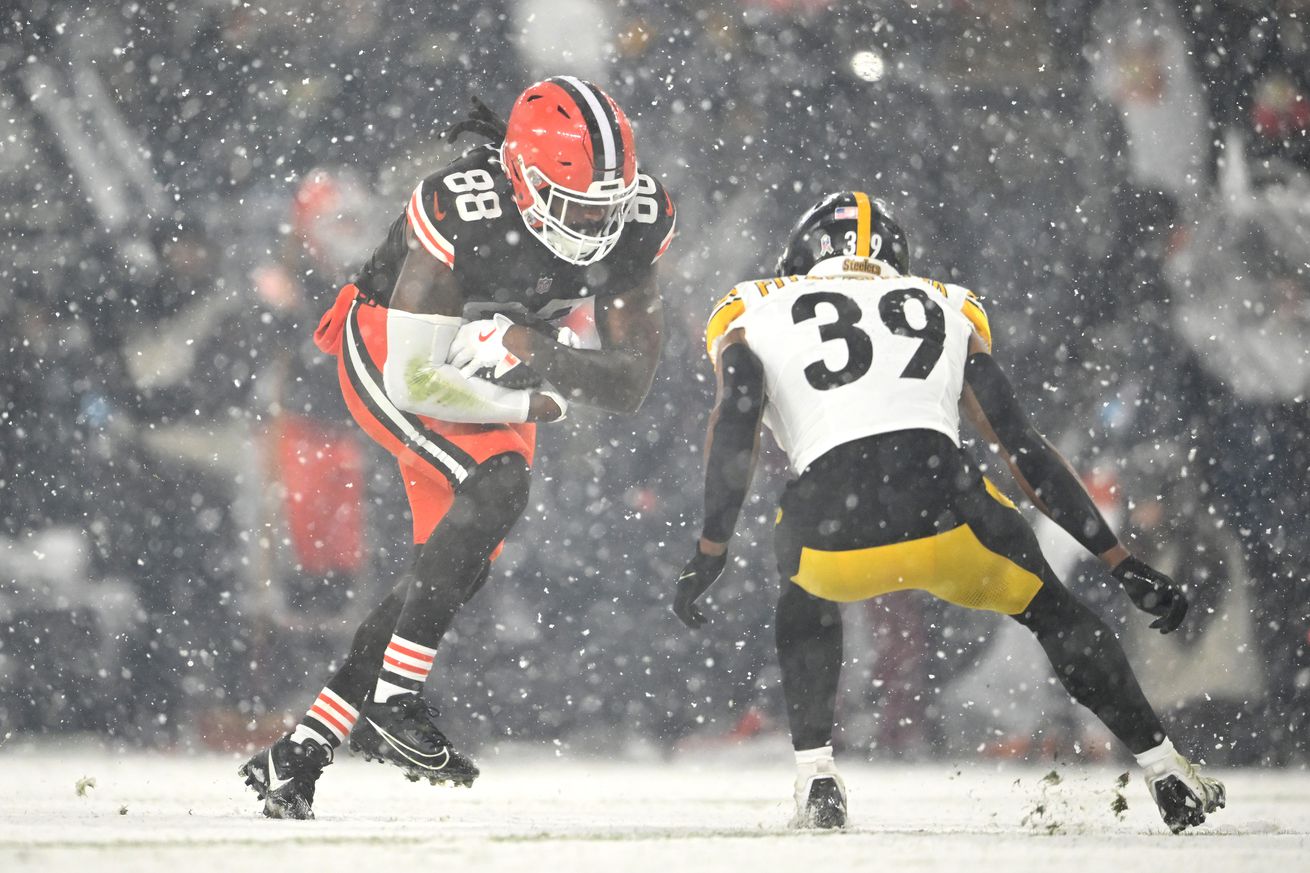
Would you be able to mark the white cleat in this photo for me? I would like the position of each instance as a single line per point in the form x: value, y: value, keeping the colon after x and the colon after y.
x: 820, y: 791
x: 1183, y: 795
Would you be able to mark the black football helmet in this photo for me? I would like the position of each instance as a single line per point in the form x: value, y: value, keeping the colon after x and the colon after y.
x: 850, y: 224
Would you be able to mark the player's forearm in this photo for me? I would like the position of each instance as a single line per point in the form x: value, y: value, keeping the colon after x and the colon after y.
x: 617, y: 379
x: 442, y: 392
x: 418, y: 380
x: 733, y: 440
x: 1041, y: 470
x: 729, y: 468
x: 1051, y: 484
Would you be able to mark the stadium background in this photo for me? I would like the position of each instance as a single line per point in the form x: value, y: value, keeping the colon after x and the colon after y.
x: 185, y: 185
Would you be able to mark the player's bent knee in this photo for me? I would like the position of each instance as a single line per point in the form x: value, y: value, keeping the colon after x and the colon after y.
x: 497, y: 489
x: 1054, y: 609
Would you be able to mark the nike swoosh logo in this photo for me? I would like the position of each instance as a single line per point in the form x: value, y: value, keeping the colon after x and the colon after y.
x: 274, y: 782
x: 436, y: 208
x: 483, y: 337
x: 408, y: 752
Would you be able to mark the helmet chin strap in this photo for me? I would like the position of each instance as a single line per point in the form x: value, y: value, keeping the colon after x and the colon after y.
x: 570, y: 248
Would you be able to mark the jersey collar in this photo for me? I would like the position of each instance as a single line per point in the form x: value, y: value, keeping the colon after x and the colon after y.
x: 853, y: 267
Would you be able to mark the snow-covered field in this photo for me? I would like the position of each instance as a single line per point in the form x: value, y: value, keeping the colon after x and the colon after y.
x: 708, y: 811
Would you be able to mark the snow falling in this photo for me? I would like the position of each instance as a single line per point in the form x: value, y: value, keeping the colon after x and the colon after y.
x: 192, y: 527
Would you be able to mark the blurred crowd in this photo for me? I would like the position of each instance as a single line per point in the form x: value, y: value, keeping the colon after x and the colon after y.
x: 191, y: 527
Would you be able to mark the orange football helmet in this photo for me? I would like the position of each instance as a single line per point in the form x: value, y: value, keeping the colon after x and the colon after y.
x: 569, y: 155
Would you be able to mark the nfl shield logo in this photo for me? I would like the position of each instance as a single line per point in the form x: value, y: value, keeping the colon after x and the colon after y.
x: 543, y: 285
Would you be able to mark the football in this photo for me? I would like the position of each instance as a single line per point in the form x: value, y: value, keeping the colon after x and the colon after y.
x: 519, y: 375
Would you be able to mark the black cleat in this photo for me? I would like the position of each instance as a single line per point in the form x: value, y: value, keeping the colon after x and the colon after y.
x: 403, y: 731
x: 1183, y: 795
x: 820, y: 796
x: 825, y: 805
x: 283, y: 776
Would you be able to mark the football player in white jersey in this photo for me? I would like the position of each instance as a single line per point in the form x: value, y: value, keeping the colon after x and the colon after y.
x: 861, y: 371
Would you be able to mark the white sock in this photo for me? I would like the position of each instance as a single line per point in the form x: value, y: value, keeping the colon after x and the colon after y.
x: 304, y: 732
x: 1163, y: 752
x: 386, y: 690
x: 814, y: 759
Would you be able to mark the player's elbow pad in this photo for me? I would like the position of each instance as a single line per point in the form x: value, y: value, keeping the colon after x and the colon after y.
x: 418, y: 380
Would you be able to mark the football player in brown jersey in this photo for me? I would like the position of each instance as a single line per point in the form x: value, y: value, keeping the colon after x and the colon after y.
x: 447, y: 355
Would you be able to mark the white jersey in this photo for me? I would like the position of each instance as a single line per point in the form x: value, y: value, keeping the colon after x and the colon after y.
x: 853, y: 349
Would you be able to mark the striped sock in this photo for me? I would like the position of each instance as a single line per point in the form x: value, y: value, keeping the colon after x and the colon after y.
x: 328, y: 721
x: 405, y: 667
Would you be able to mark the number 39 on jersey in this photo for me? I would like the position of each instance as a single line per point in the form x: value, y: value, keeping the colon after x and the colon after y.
x: 846, y: 357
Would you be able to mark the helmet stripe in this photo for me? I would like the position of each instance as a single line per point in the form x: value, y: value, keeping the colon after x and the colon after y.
x: 604, y: 153
x: 864, y: 225
x: 611, y: 124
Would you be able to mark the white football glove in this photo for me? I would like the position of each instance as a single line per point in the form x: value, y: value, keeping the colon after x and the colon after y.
x: 481, y: 344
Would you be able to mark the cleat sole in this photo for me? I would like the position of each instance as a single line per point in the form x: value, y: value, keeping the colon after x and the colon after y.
x: 255, y: 785
x: 294, y: 798
x: 413, y: 774
x: 1181, y: 808
x: 825, y: 808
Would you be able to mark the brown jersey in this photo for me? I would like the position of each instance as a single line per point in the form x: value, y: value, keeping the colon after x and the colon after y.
x: 465, y: 217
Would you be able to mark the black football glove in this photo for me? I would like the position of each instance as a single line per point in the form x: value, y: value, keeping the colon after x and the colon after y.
x: 701, y: 572
x: 1153, y: 592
